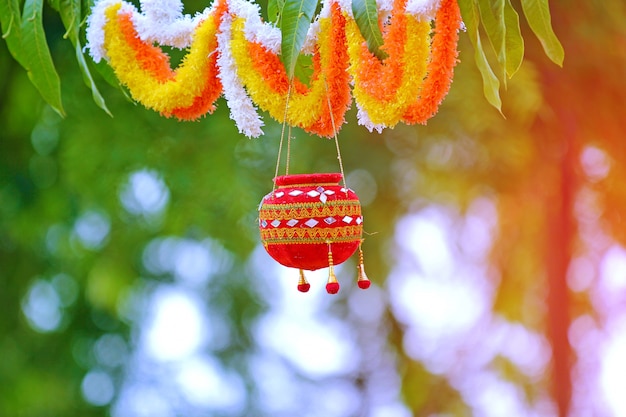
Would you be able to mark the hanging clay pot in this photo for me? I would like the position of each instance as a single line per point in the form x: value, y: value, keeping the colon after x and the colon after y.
x: 310, y: 222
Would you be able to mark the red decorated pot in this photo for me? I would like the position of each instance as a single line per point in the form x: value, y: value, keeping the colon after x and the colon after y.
x: 309, y: 221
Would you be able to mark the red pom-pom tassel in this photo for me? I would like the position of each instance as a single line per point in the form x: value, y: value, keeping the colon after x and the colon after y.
x: 303, y: 284
x: 364, y: 284
x: 332, y: 287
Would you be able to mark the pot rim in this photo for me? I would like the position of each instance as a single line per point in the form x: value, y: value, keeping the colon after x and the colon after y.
x: 331, y: 178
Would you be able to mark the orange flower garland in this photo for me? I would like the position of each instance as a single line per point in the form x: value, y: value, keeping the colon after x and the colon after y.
x: 187, y: 93
x: 441, y: 66
x: 384, y: 89
x: 337, y: 78
x: 265, y: 79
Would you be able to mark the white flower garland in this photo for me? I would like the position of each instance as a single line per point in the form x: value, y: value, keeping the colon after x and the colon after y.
x: 242, y: 109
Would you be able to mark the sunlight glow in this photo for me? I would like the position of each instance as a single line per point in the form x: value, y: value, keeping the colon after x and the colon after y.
x: 142, y: 401
x: 580, y: 274
x: 595, y: 163
x: 613, y: 360
x: 613, y: 269
x: 368, y: 306
x: 92, y: 229
x: 97, y: 388
x: 177, y: 327
x: 527, y: 350
x: 441, y: 290
x: 318, y: 348
x: 190, y: 261
x: 297, y: 326
x: 613, y: 376
x: 307, y: 359
x: 437, y: 307
x: 145, y: 193
x: 391, y: 410
x: 489, y: 395
x: 276, y: 378
x: 204, y: 383
x: 424, y: 238
x: 42, y: 307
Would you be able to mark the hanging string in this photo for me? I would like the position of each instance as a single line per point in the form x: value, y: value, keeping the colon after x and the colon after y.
x: 282, y: 137
x: 332, y: 121
x: 288, y: 150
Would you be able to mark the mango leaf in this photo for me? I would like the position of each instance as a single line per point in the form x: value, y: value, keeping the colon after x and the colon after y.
x: 492, y: 18
x: 11, y: 21
x: 491, y: 85
x: 501, y: 23
x: 274, y: 10
x: 295, y: 22
x: 537, y: 14
x: 366, y: 17
x: 88, y: 79
x: 514, y: 42
x: 37, y: 58
x: 70, y: 16
x: 304, y: 68
x: 70, y: 11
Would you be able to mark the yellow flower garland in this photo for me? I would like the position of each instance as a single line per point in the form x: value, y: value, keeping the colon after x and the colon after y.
x: 147, y: 74
x: 441, y: 65
x: 405, y: 67
x: 266, y: 81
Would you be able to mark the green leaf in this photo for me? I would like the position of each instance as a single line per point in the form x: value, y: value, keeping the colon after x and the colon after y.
x: 491, y: 85
x: 366, y: 17
x: 11, y: 21
x: 514, y: 42
x: 70, y: 11
x: 274, y: 9
x: 95, y: 93
x: 295, y: 22
x: 501, y: 23
x: 304, y: 68
x: 537, y: 14
x: 37, y: 58
x: 492, y: 18
x: 70, y: 15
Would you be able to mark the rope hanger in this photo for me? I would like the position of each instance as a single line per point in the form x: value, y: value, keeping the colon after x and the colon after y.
x: 289, y: 137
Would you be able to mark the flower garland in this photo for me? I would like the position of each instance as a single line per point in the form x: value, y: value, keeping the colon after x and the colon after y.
x: 267, y: 83
x: 187, y: 93
x: 242, y: 109
x: 231, y: 51
x: 384, y: 89
x: 441, y: 66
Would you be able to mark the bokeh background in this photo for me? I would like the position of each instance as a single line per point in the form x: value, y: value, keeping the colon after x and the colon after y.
x: 133, y: 284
